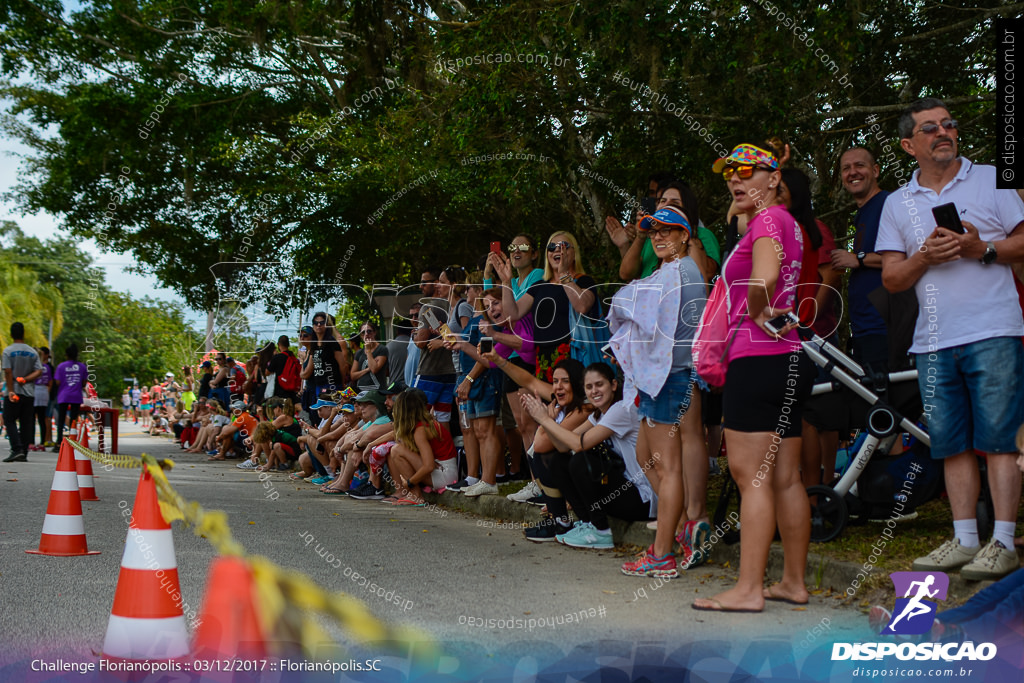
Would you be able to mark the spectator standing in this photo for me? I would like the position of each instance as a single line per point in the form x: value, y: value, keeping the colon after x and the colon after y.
x: 326, y: 360
x: 70, y: 379
x: 284, y: 371
x: 859, y: 172
x: 370, y: 366
x: 42, y: 399
x: 398, y: 351
x: 21, y: 366
x: 436, y: 373
x: 412, y: 356
x: 967, y: 341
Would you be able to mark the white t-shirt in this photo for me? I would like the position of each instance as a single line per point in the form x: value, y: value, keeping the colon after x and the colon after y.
x: 962, y: 301
x: 220, y: 420
x: 623, y: 420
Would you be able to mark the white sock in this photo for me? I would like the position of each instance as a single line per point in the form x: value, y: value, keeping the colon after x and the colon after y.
x: 471, y: 480
x: 967, y: 532
x: 1004, y: 533
x: 603, y: 531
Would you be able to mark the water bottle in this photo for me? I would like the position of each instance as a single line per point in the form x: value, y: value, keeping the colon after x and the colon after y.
x: 464, y: 415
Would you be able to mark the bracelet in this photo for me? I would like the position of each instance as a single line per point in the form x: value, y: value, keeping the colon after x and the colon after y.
x: 470, y: 378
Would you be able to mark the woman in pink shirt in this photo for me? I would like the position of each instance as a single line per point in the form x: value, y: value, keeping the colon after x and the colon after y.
x: 768, y: 377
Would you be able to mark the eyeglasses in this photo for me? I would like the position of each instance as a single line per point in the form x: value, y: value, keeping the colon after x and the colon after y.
x: 664, y: 232
x: 513, y: 248
x: 427, y: 282
x: 555, y: 246
x: 743, y: 172
x: 319, y: 322
x: 932, y: 129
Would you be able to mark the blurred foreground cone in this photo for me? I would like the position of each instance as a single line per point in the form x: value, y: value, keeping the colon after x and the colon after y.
x: 146, y: 621
x: 63, y: 526
x: 228, y: 625
x: 83, y: 465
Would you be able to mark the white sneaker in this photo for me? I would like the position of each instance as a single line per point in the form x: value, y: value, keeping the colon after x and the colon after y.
x: 528, y: 492
x: 992, y: 563
x: 479, y: 489
x: 947, y: 557
x: 246, y: 465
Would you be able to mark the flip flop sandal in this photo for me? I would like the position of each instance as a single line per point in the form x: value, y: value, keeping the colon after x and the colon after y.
x: 408, y: 502
x: 334, y: 492
x: 718, y: 607
x: 390, y: 500
x: 768, y: 595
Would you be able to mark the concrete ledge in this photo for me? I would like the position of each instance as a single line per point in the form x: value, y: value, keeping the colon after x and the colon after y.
x: 822, y: 570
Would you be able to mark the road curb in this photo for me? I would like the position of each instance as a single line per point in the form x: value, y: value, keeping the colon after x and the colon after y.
x: 822, y: 571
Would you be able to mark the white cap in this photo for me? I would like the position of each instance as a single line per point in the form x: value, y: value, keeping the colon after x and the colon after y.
x: 169, y: 374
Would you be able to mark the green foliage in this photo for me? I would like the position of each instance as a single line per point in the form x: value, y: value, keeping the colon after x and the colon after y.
x: 343, y: 137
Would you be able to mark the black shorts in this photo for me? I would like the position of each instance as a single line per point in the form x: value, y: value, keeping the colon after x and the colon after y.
x: 508, y: 385
x: 766, y: 393
x: 711, y: 408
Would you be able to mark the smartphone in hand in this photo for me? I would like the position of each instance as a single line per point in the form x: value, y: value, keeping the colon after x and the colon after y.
x: 780, y: 321
x: 486, y: 345
x: 946, y: 216
x: 496, y: 248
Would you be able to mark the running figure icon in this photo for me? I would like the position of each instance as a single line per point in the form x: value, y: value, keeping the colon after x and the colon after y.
x: 921, y: 592
x: 915, y: 607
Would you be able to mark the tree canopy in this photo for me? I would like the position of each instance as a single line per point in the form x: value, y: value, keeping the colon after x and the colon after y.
x: 359, y: 141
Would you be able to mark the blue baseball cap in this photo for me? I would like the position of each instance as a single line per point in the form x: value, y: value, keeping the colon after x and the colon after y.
x: 323, y: 403
x: 670, y: 216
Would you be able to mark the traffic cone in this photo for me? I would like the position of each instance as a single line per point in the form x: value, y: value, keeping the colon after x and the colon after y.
x: 228, y: 625
x: 63, y: 527
x: 146, y: 620
x: 83, y: 465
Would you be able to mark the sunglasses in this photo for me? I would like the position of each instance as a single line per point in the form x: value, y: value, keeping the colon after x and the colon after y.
x: 555, y: 246
x: 319, y: 322
x: 932, y: 129
x: 743, y: 172
x: 427, y: 282
x: 513, y: 248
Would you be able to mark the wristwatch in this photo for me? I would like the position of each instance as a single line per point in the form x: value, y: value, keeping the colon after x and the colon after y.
x: 990, y: 254
x: 860, y: 258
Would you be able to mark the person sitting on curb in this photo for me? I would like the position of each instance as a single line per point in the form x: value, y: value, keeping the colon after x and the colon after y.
x: 424, y: 454
x: 376, y: 422
x: 311, y: 445
x: 242, y: 425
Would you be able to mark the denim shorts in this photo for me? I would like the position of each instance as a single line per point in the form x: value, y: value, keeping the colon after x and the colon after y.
x: 973, y: 396
x: 672, y: 402
x: 484, y: 395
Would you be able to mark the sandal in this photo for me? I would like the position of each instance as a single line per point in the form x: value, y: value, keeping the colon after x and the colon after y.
x: 390, y: 500
x: 297, y: 476
x: 334, y: 492
x: 408, y: 502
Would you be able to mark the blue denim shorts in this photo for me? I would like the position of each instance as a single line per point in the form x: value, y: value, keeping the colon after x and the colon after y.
x: 484, y: 394
x: 672, y: 402
x: 973, y: 396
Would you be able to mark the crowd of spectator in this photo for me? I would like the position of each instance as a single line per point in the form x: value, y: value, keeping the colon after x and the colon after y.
x: 523, y: 371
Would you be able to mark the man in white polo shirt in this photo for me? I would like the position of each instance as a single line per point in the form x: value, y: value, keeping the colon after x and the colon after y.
x: 969, y: 327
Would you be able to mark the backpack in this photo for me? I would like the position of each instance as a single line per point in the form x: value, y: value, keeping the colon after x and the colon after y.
x: 289, y: 379
x: 236, y: 379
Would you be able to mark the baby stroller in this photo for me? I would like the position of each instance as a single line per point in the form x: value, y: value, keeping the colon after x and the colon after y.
x: 873, y: 484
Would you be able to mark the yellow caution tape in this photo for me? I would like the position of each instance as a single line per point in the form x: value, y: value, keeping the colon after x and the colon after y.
x: 286, y: 597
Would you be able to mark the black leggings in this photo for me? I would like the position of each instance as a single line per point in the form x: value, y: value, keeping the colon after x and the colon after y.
x: 62, y: 411
x: 41, y: 417
x: 592, y: 501
x: 547, y: 468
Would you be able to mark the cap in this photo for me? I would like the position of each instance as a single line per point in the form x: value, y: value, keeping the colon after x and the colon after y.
x: 238, y: 405
x: 746, y: 155
x: 323, y: 403
x: 206, y: 364
x: 169, y: 374
x: 372, y: 396
x: 670, y: 215
x: 394, y: 388
x: 348, y: 408
x: 306, y: 329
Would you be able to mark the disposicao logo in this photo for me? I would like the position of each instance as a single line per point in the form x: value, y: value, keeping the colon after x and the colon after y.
x: 917, y: 596
x: 915, y: 611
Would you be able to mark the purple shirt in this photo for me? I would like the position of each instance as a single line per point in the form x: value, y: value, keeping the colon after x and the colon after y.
x: 522, y: 328
x: 71, y: 375
x: 45, y: 377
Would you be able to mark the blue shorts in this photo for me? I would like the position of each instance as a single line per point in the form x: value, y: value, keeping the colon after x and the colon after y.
x: 672, y: 402
x: 973, y: 396
x: 485, y: 395
x: 440, y: 391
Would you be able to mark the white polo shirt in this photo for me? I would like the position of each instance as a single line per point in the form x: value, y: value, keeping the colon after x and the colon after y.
x: 962, y: 301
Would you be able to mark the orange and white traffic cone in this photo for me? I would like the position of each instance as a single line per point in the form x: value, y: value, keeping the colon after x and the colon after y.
x: 146, y: 621
x: 228, y: 625
x: 83, y: 465
x: 63, y: 527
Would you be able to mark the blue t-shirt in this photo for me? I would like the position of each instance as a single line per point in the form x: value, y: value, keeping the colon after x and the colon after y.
x: 864, y: 317
x: 470, y: 333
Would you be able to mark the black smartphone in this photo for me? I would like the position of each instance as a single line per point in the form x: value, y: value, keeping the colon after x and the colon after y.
x: 946, y: 216
x: 649, y: 205
x: 486, y: 345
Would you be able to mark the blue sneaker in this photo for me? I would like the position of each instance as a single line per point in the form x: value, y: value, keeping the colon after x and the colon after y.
x: 320, y: 480
x: 585, y: 535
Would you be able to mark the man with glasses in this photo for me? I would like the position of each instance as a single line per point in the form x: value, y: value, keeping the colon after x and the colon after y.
x: 967, y: 339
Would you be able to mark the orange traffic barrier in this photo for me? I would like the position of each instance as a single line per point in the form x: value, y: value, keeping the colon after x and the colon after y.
x: 83, y: 466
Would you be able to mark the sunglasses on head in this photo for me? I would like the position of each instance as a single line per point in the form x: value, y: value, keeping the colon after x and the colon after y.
x: 743, y: 172
x: 513, y: 248
x: 555, y: 246
x: 932, y: 129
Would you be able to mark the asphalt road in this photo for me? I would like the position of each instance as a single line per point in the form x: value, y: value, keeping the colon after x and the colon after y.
x: 449, y: 572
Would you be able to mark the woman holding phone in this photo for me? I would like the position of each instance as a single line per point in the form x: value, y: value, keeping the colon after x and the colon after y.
x: 767, y: 378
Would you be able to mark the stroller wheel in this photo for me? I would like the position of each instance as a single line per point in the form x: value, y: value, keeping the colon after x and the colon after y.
x: 828, y: 513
